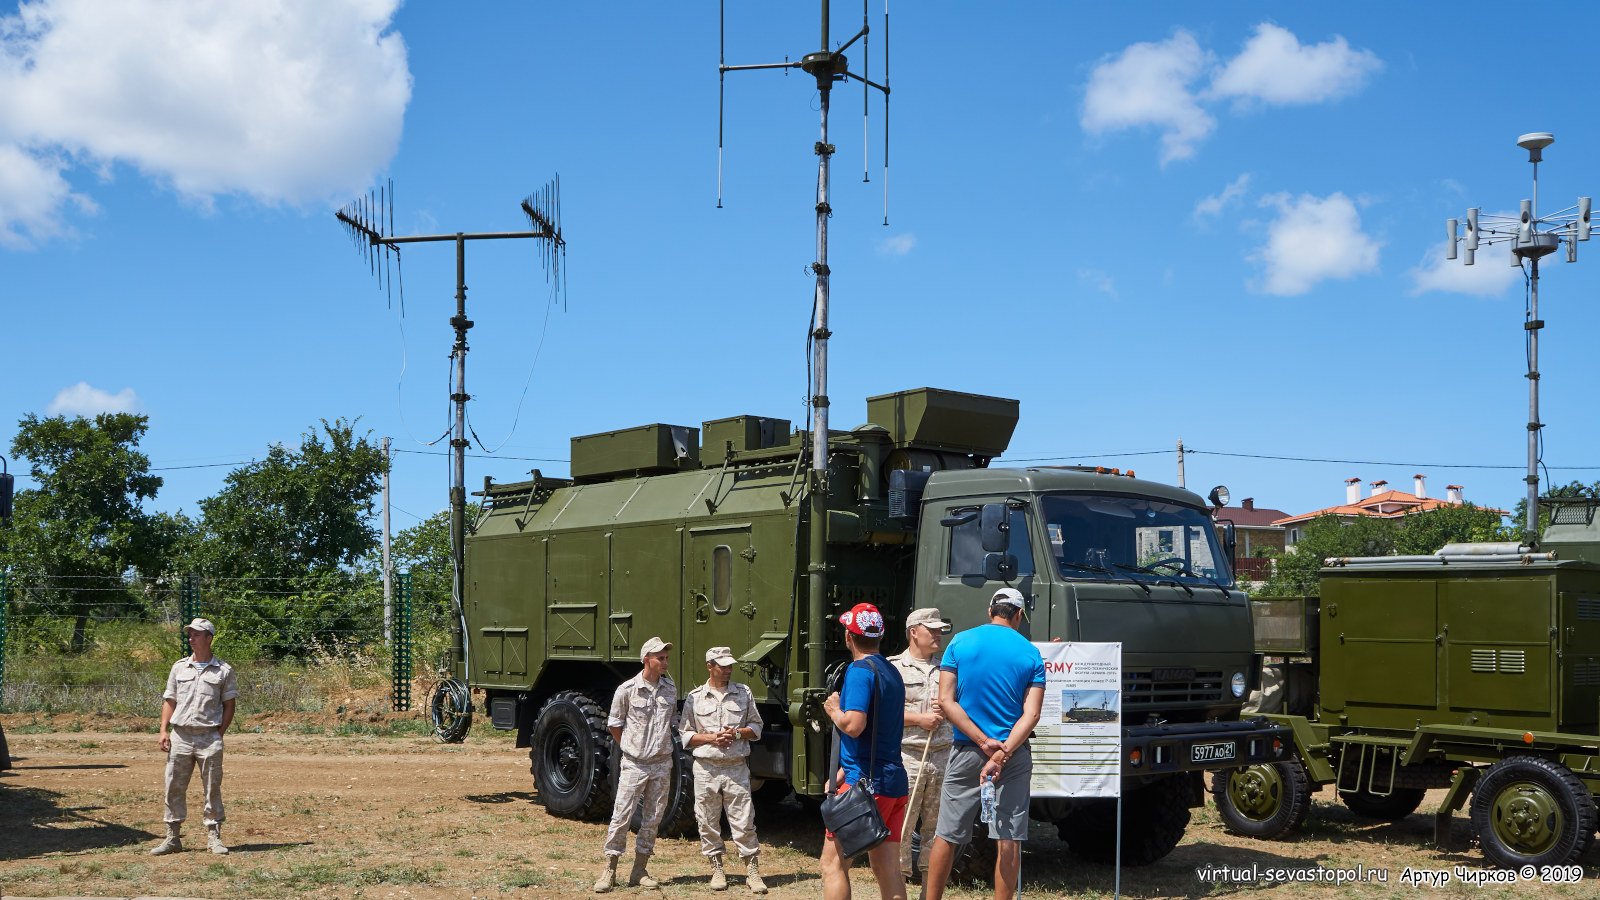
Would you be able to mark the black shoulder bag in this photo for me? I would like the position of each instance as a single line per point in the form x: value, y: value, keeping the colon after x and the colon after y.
x: 853, y: 815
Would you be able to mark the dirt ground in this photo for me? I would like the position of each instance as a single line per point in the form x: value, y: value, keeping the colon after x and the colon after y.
x: 402, y: 816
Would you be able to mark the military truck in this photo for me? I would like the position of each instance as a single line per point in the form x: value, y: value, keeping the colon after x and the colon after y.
x: 1475, y: 669
x: 702, y: 536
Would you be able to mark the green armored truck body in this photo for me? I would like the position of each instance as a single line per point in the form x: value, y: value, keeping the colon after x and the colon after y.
x: 710, y: 546
x: 1475, y: 669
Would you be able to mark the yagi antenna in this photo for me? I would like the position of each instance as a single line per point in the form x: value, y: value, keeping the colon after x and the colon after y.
x: 1530, y: 237
x: 370, y: 223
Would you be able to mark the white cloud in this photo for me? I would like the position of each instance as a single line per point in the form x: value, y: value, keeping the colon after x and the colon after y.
x: 1313, y: 239
x: 84, y: 399
x: 1147, y: 84
x: 1099, y: 281
x: 32, y: 193
x: 283, y: 101
x: 1491, y: 275
x: 1274, y: 67
x: 1216, y: 203
x: 898, y: 244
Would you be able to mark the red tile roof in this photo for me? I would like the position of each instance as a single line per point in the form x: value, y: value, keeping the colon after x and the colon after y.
x: 1385, y: 505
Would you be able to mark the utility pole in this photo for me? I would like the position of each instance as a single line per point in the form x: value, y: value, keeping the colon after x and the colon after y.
x: 1180, y: 462
x: 388, y: 586
x: 1531, y: 237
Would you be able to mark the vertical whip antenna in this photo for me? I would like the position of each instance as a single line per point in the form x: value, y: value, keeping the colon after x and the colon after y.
x: 722, y: 84
x: 886, y: 113
x: 866, y: 72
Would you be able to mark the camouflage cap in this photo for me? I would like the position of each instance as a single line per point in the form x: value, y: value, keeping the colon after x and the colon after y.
x: 654, y: 645
x: 928, y: 616
x: 722, y: 656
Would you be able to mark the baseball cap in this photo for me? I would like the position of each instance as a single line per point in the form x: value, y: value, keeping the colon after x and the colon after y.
x: 654, y: 645
x: 202, y: 625
x: 722, y: 656
x: 928, y: 616
x: 863, y: 619
x: 1011, y: 597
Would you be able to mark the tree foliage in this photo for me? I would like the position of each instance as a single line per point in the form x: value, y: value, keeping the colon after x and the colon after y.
x: 1297, y: 573
x: 1519, y: 516
x: 424, y: 550
x: 85, y: 518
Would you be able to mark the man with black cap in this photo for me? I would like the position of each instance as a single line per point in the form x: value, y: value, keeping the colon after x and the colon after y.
x: 719, y: 721
x: 925, y: 749
x: 866, y: 713
x: 196, y: 709
x: 991, y: 688
x: 642, y: 714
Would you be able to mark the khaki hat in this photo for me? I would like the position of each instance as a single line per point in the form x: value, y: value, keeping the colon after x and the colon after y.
x: 928, y: 616
x: 654, y: 645
x: 722, y: 656
x: 201, y: 625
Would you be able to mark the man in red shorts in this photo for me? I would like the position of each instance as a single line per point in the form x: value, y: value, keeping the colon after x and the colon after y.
x: 867, y: 712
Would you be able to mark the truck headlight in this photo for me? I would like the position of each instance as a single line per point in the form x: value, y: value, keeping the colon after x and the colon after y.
x: 1238, y: 684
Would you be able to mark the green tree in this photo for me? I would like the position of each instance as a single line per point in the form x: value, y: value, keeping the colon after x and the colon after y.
x: 1519, y: 516
x: 298, y: 512
x: 1425, y: 532
x: 424, y: 549
x: 83, y: 527
x: 1295, y: 573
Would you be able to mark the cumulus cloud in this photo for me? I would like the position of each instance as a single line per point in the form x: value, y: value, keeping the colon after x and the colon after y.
x: 1274, y: 67
x: 32, y: 194
x: 1490, y: 276
x: 1216, y: 203
x: 1156, y: 85
x: 84, y: 399
x: 1313, y: 239
x: 898, y: 244
x: 1147, y: 85
x: 282, y: 101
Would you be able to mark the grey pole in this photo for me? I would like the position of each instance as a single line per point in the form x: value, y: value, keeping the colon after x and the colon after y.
x: 1533, y: 325
x: 1180, y: 462
x: 458, y: 468
x: 820, y: 334
x: 388, y: 585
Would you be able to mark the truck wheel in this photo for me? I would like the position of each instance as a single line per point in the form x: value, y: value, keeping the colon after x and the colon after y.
x: 1153, y: 822
x: 1268, y: 800
x: 1400, y: 803
x: 571, y: 758
x: 677, y: 820
x: 1530, y: 811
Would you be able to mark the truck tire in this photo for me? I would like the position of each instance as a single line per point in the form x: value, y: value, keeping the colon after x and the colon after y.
x: 571, y: 758
x: 1153, y: 821
x: 677, y: 820
x: 1268, y: 800
x: 1400, y: 803
x: 1529, y: 811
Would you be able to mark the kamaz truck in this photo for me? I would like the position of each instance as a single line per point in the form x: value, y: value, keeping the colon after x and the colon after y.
x: 1475, y: 669
x: 703, y: 537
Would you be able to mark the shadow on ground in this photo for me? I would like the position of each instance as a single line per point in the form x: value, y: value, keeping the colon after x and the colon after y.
x: 35, y: 822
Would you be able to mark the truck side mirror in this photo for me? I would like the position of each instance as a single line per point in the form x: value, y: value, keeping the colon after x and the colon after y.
x: 995, y: 526
x: 999, y: 567
x: 1230, y: 545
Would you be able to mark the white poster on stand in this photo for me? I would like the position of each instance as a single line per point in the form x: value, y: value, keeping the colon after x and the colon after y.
x: 1077, y: 748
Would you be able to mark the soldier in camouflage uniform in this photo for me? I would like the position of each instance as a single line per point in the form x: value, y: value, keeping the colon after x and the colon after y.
x: 719, y: 722
x: 196, y: 710
x: 642, y: 714
x: 925, y: 749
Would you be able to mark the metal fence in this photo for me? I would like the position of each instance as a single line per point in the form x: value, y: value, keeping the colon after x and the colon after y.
x: 92, y: 644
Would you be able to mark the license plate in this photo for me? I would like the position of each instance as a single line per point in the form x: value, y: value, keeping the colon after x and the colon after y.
x: 1218, y: 752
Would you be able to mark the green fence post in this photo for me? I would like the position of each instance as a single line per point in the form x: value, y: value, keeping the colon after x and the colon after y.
x: 401, y: 629
x: 5, y: 607
x: 188, y: 609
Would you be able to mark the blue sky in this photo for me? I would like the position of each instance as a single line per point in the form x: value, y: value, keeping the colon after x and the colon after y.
x: 1217, y: 222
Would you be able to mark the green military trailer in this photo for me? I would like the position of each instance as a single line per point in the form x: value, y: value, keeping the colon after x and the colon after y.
x: 705, y: 537
x: 1476, y: 669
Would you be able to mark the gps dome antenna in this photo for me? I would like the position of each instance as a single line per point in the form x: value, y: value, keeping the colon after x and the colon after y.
x: 370, y: 222
x: 827, y: 66
x: 1530, y: 237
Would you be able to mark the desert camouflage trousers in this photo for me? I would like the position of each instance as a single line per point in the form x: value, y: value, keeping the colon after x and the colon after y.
x: 927, y: 781
x: 193, y: 747
x: 719, y: 789
x: 639, y: 783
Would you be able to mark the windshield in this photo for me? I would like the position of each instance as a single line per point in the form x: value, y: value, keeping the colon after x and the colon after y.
x: 1108, y: 536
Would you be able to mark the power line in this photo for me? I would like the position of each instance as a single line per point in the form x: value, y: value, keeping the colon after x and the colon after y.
x: 1373, y: 462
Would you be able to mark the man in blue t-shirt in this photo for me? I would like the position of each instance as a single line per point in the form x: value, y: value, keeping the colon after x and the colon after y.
x: 991, y: 686
x: 867, y: 713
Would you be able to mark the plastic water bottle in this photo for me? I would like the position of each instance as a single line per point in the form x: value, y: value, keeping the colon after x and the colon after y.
x: 986, y: 795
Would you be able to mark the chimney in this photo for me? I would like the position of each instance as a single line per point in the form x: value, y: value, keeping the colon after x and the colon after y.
x: 1352, y: 490
x: 1248, y: 503
x: 1419, y: 484
x: 1379, y: 487
x: 1453, y: 494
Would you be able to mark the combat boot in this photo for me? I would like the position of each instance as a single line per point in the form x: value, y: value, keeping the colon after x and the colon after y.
x: 173, y: 843
x: 639, y: 877
x: 752, y: 874
x: 719, y: 878
x: 214, y: 840
x: 608, y: 876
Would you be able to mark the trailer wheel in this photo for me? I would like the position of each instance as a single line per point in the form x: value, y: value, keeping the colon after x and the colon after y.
x: 1153, y: 822
x: 1400, y: 803
x: 1532, y: 811
x: 1268, y: 800
x: 571, y: 759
